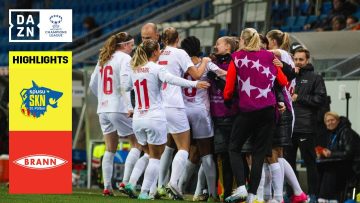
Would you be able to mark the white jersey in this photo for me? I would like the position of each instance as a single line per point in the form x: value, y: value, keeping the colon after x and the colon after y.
x: 105, y: 83
x: 177, y: 62
x: 198, y: 98
x: 147, y: 81
x: 285, y: 57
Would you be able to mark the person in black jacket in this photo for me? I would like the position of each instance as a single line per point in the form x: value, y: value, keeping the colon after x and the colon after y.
x: 309, y: 95
x: 336, y: 156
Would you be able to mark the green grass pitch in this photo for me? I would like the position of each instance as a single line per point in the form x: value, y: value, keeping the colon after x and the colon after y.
x: 78, y: 196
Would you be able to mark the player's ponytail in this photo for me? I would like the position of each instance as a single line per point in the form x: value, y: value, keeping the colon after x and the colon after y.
x: 143, y: 52
x: 251, y: 39
x: 282, y: 39
x: 111, y: 44
x: 285, y: 45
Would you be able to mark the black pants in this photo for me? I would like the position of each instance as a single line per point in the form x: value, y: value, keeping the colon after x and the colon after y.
x: 261, y: 125
x: 306, y: 143
x: 228, y: 178
x: 332, y: 178
x: 222, y: 128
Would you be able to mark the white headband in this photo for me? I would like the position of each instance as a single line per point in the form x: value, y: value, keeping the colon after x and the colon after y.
x: 132, y: 40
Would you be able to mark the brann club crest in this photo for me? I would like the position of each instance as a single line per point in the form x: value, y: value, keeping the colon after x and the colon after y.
x: 36, y: 99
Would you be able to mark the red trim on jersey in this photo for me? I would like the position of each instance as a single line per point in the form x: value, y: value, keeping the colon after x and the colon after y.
x: 281, y: 77
x: 230, y: 81
x: 162, y: 62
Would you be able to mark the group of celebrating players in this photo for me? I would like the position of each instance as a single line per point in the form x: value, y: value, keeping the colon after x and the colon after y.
x: 235, y: 102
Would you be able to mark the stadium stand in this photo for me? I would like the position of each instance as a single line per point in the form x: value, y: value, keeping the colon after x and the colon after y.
x: 206, y: 19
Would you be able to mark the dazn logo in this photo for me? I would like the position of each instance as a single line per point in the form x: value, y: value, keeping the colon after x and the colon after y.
x: 24, y: 25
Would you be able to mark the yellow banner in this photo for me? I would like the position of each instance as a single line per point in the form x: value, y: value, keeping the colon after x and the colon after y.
x: 40, y: 90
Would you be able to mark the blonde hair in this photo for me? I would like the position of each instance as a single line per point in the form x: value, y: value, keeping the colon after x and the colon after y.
x: 143, y: 52
x: 282, y: 39
x: 251, y: 39
x: 111, y: 45
x: 333, y: 114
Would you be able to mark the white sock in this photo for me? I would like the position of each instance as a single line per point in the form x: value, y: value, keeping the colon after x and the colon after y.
x: 276, y: 181
x: 267, y: 183
x: 250, y: 198
x: 167, y: 177
x: 165, y: 162
x: 185, y: 177
x: 139, y: 169
x: 178, y: 166
x: 151, y: 174
x: 201, y: 181
x: 291, y: 177
x: 130, y: 162
x: 282, y: 170
x: 107, y: 169
x: 209, y: 166
x: 153, y: 188
x: 321, y: 200
x: 260, y: 190
x: 282, y: 175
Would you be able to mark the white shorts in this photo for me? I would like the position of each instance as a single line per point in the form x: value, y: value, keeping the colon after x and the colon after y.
x: 119, y: 122
x: 177, y: 121
x: 200, y: 122
x: 150, y: 131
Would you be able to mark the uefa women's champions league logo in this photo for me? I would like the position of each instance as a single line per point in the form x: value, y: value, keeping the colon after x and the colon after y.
x: 40, y: 25
x: 55, y: 20
x: 56, y: 30
x: 36, y: 99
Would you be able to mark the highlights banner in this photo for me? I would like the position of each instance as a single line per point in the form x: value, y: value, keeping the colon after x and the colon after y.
x: 40, y: 122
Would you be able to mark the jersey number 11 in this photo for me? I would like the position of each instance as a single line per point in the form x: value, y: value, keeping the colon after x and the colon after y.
x: 146, y: 95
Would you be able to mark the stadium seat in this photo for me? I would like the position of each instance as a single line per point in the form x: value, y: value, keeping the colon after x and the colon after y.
x: 311, y: 19
x: 357, y: 14
x: 285, y: 28
x: 223, y: 32
x: 322, y: 17
x: 290, y: 21
x: 47, y: 46
x: 326, y: 7
x: 78, y: 156
x: 297, y: 28
x: 3, y: 60
x: 195, y: 13
x: 145, y: 11
x: 300, y: 21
